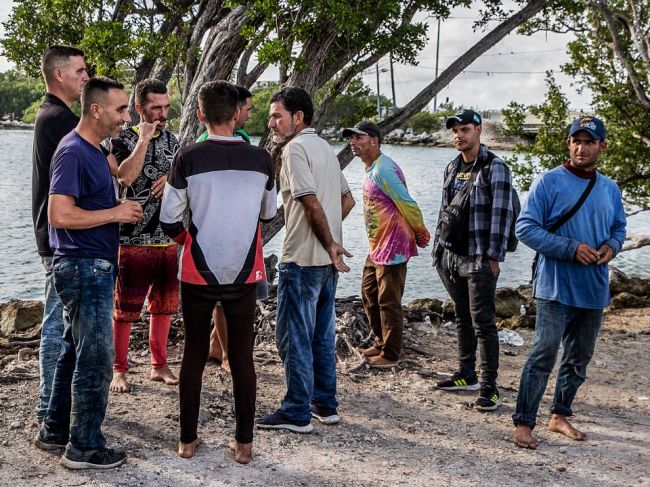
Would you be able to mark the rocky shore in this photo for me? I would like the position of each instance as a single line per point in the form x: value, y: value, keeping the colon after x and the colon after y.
x: 493, y: 135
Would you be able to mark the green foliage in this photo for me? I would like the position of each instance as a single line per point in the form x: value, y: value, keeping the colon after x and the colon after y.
x: 111, y: 45
x: 18, y: 92
x: 549, y: 149
x: 426, y: 122
x: 356, y: 103
x: 595, y: 67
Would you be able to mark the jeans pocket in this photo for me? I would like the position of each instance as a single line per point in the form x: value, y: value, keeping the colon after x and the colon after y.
x: 103, y: 267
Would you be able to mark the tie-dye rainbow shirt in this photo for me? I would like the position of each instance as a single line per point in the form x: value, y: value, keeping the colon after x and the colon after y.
x: 392, y: 217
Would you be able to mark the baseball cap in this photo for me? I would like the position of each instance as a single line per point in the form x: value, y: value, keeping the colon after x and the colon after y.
x: 363, y: 128
x: 464, y: 117
x: 592, y: 125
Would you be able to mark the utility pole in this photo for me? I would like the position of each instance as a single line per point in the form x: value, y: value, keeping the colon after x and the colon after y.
x: 435, y: 98
x: 392, y: 81
x: 378, y: 102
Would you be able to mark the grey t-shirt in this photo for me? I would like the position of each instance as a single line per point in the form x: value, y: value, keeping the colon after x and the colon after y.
x: 310, y: 166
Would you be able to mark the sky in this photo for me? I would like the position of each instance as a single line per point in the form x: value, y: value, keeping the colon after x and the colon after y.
x: 516, y: 66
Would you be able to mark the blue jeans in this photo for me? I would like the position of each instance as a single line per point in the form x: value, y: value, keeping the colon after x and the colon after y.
x: 304, y: 335
x: 85, y: 366
x: 577, y: 329
x: 51, y: 338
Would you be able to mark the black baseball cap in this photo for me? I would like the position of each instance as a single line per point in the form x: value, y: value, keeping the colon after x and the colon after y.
x: 363, y: 128
x: 464, y: 117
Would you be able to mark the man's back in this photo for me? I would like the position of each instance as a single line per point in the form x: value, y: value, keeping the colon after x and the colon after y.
x: 310, y: 167
x: 225, y: 183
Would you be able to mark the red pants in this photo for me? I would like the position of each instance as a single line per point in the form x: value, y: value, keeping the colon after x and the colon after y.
x: 145, y: 272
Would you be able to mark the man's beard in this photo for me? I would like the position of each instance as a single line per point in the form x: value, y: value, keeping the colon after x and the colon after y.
x: 279, y: 138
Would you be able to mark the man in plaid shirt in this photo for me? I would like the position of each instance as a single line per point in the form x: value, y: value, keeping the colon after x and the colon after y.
x: 468, y: 262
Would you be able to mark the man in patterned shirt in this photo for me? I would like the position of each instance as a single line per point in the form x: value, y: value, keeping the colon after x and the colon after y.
x: 148, y: 263
x: 395, y: 229
x: 468, y: 261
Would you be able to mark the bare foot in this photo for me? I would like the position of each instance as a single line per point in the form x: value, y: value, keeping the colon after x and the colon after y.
x: 523, y: 437
x: 215, y: 346
x: 371, y: 351
x: 225, y: 365
x: 186, y: 450
x: 243, y: 451
x: 559, y: 424
x: 163, y: 374
x: 381, y: 362
x: 119, y: 383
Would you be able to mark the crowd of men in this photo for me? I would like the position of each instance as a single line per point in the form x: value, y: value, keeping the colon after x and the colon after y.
x: 185, y: 229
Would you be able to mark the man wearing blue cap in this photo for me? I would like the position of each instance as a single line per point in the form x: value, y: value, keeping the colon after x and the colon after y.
x: 571, y: 281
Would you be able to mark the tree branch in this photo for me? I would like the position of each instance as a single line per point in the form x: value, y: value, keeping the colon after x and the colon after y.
x: 619, y: 51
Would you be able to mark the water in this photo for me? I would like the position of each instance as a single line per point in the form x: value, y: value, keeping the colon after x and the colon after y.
x: 21, y: 274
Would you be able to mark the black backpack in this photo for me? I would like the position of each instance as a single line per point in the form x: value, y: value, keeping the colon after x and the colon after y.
x: 516, y: 204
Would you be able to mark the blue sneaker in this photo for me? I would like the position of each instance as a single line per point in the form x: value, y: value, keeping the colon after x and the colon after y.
x: 325, y: 415
x: 280, y: 421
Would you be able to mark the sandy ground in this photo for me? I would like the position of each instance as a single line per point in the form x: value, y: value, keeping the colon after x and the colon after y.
x: 396, y: 428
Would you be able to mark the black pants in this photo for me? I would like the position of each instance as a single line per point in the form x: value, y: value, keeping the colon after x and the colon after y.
x: 238, y: 302
x: 473, y: 295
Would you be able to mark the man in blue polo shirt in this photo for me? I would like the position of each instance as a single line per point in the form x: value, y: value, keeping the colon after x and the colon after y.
x: 571, y: 283
x: 84, y: 217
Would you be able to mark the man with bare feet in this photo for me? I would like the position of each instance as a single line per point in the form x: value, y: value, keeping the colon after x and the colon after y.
x: 222, y: 255
x: 575, y: 237
x: 395, y: 229
x: 148, y: 261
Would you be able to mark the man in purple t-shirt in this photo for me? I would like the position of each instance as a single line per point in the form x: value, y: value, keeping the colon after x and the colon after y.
x: 84, y: 217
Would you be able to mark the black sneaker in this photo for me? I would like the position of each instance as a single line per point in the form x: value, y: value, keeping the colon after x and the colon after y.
x: 458, y: 382
x: 488, y: 399
x: 280, y: 421
x: 325, y: 415
x: 101, y: 459
x: 43, y: 444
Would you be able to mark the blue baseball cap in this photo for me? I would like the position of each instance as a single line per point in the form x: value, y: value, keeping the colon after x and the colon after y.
x: 592, y: 125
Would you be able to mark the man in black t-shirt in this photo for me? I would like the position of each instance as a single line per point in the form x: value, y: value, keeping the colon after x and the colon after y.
x: 64, y: 71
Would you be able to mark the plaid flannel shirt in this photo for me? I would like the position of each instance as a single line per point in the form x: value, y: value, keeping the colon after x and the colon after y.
x: 490, y: 210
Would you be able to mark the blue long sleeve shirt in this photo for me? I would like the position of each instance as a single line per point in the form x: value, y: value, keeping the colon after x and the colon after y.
x: 600, y: 220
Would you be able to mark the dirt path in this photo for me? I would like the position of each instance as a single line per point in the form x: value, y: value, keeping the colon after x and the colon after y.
x: 396, y: 429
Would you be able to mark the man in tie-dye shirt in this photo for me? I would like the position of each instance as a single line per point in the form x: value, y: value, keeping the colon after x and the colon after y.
x: 395, y: 229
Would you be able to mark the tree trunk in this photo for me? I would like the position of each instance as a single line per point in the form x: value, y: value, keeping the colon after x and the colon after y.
x: 222, y: 51
x: 531, y: 9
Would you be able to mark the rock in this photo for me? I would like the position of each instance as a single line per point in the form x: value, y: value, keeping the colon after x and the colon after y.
x: 508, y: 302
x: 629, y: 300
x: 395, y: 134
x: 17, y: 316
x: 619, y: 283
x: 560, y: 468
x: 517, y: 321
x: 448, y: 309
x: 419, y: 309
x: 16, y: 425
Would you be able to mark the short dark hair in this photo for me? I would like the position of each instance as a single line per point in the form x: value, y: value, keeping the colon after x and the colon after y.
x: 55, y: 56
x: 242, y: 95
x: 218, y: 101
x: 96, y: 90
x: 295, y: 100
x: 146, y: 86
